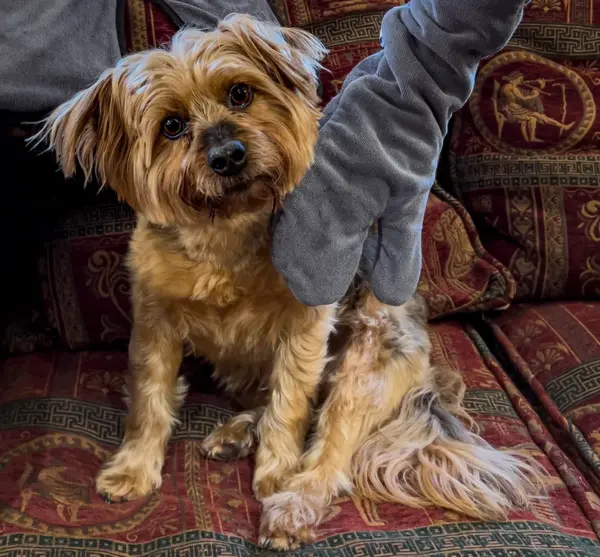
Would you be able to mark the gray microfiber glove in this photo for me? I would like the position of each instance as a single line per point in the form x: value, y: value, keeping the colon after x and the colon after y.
x: 378, y: 150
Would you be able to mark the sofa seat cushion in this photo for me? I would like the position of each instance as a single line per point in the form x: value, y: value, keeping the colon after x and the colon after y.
x: 555, y: 346
x: 61, y: 416
x: 525, y: 155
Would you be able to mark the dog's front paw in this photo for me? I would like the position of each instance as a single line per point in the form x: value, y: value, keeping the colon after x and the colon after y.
x: 272, y: 470
x: 120, y: 481
x: 232, y: 440
x: 289, y: 520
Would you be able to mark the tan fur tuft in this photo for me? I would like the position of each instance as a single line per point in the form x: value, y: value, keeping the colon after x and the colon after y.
x: 426, y: 456
x: 291, y: 56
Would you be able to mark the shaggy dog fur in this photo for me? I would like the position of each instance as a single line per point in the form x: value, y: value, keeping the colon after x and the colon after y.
x: 387, y: 424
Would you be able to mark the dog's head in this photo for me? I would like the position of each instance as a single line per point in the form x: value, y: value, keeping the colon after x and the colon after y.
x: 223, y: 121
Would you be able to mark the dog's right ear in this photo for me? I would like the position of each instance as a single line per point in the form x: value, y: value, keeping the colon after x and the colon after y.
x: 291, y: 56
x: 87, y: 131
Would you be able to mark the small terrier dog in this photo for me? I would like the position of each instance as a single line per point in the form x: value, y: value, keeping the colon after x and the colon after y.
x: 204, y: 140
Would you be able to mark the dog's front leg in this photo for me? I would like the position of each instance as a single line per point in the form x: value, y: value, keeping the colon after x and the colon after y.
x: 155, y: 354
x: 297, y: 371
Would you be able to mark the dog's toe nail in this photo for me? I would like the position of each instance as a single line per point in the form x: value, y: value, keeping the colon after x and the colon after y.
x: 228, y: 451
x: 105, y: 497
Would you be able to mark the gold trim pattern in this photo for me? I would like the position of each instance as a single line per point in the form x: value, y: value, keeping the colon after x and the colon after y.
x: 488, y: 171
x: 558, y: 39
x: 301, y: 9
x: 137, y: 22
x: 555, y: 234
x: 525, y: 263
x: 579, y: 11
x: 344, y: 31
x: 193, y: 460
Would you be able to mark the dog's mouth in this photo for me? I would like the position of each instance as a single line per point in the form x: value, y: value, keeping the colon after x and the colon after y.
x: 258, y: 185
x: 240, y: 186
x: 239, y: 194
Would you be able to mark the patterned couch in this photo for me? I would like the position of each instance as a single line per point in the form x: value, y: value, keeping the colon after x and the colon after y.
x: 511, y: 274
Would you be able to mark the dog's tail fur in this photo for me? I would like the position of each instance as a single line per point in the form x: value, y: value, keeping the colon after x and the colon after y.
x: 425, y: 455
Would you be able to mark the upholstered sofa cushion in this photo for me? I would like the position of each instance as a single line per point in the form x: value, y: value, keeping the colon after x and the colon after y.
x: 349, y: 29
x: 525, y: 152
x: 61, y: 416
x: 458, y: 274
x: 85, y: 283
x: 555, y: 346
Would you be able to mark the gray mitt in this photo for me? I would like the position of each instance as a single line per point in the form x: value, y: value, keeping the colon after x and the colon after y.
x: 378, y: 150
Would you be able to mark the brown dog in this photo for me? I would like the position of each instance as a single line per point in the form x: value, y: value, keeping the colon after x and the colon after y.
x: 203, y: 140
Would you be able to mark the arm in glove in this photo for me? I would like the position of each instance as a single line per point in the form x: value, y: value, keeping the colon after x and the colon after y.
x: 378, y: 150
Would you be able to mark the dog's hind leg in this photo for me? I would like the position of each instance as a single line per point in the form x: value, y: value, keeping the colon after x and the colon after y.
x: 426, y: 456
x: 389, y: 430
x: 380, y: 363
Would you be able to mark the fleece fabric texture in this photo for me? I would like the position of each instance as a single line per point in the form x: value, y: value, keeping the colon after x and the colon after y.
x: 378, y: 151
x: 52, y: 49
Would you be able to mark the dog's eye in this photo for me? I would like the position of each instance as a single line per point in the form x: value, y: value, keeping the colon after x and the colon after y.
x: 173, y: 127
x: 240, y: 95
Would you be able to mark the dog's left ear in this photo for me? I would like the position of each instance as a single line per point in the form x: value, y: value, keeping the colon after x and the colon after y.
x: 291, y: 56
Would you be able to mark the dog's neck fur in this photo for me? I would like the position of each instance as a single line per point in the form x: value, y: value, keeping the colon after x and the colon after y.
x: 232, y: 242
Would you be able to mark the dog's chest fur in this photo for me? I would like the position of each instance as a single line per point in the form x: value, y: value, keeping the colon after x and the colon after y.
x: 218, y: 287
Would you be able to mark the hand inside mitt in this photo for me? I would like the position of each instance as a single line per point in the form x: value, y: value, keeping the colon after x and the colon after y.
x: 378, y: 149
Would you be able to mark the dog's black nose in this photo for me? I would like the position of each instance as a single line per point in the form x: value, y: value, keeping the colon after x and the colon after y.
x: 229, y: 158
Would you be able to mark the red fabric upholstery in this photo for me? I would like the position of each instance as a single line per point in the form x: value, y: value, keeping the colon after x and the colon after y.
x: 525, y: 152
x: 556, y: 348
x: 61, y: 417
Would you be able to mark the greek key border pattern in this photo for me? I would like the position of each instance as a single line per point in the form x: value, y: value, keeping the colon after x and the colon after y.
x: 489, y: 403
x: 347, y: 30
x: 474, y: 539
x: 575, y: 386
x: 97, y: 221
x: 496, y: 171
x: 101, y: 423
x: 559, y: 40
x: 552, y: 39
x: 105, y: 424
